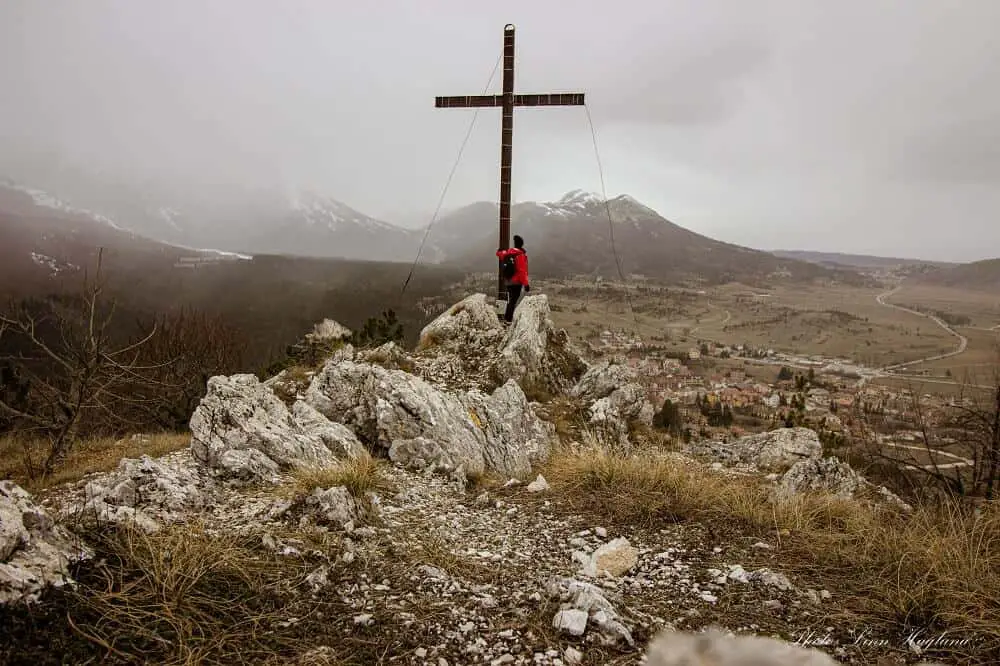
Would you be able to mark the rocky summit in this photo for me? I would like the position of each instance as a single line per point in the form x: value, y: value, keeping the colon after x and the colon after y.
x: 460, y: 552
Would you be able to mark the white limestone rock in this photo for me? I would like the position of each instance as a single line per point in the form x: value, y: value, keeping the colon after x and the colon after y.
x: 35, y: 552
x: 332, y: 506
x: 570, y: 621
x: 337, y: 437
x: 422, y: 425
x: 614, y: 558
x: 582, y: 602
x: 516, y: 438
x: 831, y: 476
x: 602, y: 380
x: 534, y: 353
x: 827, y: 475
x: 776, y: 450
x: 539, y: 485
x: 615, y: 400
x: 147, y: 492
x: 469, y: 317
x: 394, y: 410
x: 239, y: 414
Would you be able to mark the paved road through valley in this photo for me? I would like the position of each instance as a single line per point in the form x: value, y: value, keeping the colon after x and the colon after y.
x: 963, y: 341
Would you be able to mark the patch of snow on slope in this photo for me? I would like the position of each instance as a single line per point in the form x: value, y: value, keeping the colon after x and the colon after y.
x: 54, y: 265
x: 627, y: 208
x: 221, y: 253
x: 170, y: 216
x: 46, y: 200
x: 325, y: 211
x: 579, y: 199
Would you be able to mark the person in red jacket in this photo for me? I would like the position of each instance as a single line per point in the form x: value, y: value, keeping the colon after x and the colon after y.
x: 519, y: 280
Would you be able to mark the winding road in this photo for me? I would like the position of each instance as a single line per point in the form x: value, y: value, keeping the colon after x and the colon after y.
x: 963, y: 341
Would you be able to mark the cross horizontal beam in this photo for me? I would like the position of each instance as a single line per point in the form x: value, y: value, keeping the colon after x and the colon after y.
x: 541, y: 99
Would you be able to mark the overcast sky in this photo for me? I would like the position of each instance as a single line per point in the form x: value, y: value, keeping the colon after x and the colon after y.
x: 854, y: 125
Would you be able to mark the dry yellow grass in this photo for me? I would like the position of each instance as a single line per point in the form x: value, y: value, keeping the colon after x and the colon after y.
x: 185, y: 596
x: 939, y: 566
x: 360, y: 476
x: 86, y: 457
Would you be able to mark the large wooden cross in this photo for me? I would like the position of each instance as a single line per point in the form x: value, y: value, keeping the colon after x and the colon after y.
x: 507, y: 100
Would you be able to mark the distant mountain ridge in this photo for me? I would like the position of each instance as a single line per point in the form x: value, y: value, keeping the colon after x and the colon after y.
x: 856, y: 260
x: 568, y: 236
x: 572, y: 236
x: 975, y: 276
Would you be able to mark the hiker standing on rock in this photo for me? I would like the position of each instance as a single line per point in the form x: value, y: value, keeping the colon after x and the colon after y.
x: 514, y: 268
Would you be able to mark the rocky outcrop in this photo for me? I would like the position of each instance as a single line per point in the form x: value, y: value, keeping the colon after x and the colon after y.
x: 244, y: 432
x: 392, y: 410
x: 421, y: 425
x: 148, y: 493
x: 616, y: 400
x: 516, y: 438
x: 540, y: 358
x: 828, y: 475
x: 776, y: 450
x: 35, y: 553
x: 463, y: 323
x: 467, y: 347
x: 833, y: 477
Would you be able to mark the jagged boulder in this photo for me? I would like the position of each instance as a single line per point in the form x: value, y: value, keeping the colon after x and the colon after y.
x: 242, y: 430
x: 831, y: 476
x: 390, y: 409
x: 331, y: 506
x: 457, y: 349
x: 540, y: 358
x: 602, y: 380
x: 776, y: 450
x: 516, y: 437
x: 616, y: 400
x: 462, y: 322
x: 148, y: 492
x: 35, y: 553
x: 827, y: 475
x: 422, y: 425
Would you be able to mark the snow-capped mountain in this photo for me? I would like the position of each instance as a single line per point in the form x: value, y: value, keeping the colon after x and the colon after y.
x: 315, y: 225
x: 573, y: 235
x: 42, y: 199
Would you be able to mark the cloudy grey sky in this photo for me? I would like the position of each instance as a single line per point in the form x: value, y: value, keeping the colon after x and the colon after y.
x: 859, y: 125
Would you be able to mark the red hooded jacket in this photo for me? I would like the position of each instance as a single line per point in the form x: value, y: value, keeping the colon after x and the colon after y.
x: 520, y: 264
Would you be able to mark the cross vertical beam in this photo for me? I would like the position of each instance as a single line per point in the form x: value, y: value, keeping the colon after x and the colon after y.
x: 507, y: 101
x: 506, y: 147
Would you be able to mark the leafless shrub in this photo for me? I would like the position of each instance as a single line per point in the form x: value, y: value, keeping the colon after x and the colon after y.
x: 71, y: 368
x: 75, y: 376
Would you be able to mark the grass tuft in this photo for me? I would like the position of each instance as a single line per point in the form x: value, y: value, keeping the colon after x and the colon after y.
x: 360, y: 476
x: 182, y: 595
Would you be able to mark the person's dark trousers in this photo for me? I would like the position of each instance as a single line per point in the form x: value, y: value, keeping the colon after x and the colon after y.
x: 513, y: 294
